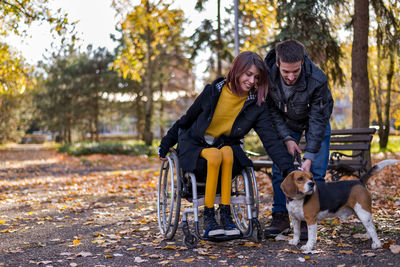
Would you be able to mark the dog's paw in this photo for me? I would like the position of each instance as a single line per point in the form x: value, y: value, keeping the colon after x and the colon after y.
x: 306, y: 248
x: 376, y: 245
x: 294, y: 242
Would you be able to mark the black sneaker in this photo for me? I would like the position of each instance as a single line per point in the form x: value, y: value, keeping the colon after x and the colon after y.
x: 212, y: 227
x: 227, y: 222
x: 280, y: 224
x: 303, y: 231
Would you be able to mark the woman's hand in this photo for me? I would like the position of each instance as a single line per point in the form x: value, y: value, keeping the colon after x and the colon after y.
x: 163, y: 159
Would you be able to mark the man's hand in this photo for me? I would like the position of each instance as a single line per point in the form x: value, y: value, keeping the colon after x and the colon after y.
x: 292, y: 147
x: 306, y: 165
x: 163, y: 159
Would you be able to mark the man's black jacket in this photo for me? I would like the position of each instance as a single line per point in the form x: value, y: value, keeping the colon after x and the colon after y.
x: 309, y: 107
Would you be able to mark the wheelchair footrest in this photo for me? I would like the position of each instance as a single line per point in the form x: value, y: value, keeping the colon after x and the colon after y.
x: 222, y: 238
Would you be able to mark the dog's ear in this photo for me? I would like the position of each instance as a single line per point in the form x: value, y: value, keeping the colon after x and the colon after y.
x: 288, y: 186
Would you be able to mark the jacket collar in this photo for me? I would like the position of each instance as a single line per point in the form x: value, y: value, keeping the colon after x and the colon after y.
x: 220, y: 82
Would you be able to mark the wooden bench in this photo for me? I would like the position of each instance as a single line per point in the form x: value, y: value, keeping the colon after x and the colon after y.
x: 350, y: 153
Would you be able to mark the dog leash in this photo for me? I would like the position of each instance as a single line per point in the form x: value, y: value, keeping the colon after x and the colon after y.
x: 297, y: 157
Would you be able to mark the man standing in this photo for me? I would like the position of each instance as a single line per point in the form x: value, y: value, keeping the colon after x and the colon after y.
x: 299, y: 100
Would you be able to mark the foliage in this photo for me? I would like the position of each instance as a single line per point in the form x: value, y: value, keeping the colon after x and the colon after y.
x: 131, y: 147
x: 215, y: 39
x: 258, y: 22
x: 15, y: 84
x: 16, y: 78
x: 152, y: 46
x: 383, y: 64
x: 309, y: 21
x: 71, y: 97
x: 16, y: 13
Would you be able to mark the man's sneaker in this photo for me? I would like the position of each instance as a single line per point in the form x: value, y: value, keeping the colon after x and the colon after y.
x: 212, y: 227
x: 303, y: 231
x: 280, y: 224
x: 227, y: 222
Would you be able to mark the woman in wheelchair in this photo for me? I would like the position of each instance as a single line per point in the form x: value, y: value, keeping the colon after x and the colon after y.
x: 213, y: 128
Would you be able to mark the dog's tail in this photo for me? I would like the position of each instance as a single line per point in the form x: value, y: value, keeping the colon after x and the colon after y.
x: 377, y: 168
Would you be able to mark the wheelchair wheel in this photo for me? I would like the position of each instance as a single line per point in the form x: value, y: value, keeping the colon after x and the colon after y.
x: 169, y: 197
x: 240, y: 212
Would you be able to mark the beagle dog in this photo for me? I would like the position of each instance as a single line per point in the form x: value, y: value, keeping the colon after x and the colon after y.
x: 310, y: 201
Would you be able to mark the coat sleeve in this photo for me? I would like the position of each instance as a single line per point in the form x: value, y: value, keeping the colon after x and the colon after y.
x: 272, y: 143
x: 321, y: 110
x: 184, y: 122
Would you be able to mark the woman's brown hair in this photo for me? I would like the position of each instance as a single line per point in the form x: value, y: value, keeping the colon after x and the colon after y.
x: 239, y: 66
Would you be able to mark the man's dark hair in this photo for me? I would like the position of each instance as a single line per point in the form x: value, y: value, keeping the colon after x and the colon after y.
x: 289, y: 51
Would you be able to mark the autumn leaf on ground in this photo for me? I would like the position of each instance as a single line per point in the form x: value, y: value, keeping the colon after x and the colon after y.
x: 188, y: 260
x: 346, y: 251
x: 395, y: 249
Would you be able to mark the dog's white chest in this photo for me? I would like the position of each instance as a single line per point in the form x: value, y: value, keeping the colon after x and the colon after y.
x: 295, y: 209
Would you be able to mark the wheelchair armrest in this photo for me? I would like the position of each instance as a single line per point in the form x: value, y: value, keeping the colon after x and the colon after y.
x: 251, y: 153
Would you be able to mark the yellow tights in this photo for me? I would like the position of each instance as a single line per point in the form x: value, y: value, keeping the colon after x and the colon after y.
x: 216, y: 159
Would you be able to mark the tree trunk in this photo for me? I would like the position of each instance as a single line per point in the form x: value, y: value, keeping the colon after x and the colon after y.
x: 96, y: 119
x: 139, y: 116
x: 219, y: 39
x: 359, y: 54
x: 148, y: 113
x: 359, y: 68
x: 383, y: 140
x: 162, y: 131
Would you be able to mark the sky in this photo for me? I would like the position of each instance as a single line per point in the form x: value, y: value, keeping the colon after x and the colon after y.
x: 96, y: 21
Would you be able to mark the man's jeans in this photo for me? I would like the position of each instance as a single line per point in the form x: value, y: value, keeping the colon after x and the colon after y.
x: 318, y: 169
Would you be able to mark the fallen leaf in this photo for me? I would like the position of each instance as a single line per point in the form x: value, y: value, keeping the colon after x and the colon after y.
x: 348, y: 252
x: 301, y: 259
x: 188, y: 260
x: 76, y: 242
x: 139, y: 260
x: 369, y: 254
x: 251, y: 244
x: 395, y: 249
x: 154, y: 256
x: 387, y: 244
x: 169, y: 247
x: 84, y: 254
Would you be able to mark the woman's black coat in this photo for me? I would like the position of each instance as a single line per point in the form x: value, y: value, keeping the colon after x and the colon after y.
x: 189, y: 131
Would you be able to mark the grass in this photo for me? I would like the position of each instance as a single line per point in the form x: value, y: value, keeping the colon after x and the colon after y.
x: 126, y: 147
x: 392, y: 146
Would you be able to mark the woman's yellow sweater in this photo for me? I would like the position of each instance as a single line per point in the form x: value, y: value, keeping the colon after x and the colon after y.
x: 228, y: 108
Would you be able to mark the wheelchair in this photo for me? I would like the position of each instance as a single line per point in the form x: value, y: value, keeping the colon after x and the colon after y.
x: 175, y: 186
